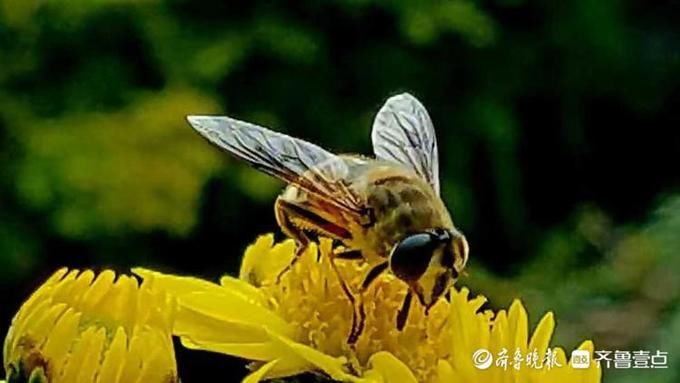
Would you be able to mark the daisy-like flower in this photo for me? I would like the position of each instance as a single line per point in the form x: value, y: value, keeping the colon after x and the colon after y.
x: 78, y: 328
x: 300, y: 324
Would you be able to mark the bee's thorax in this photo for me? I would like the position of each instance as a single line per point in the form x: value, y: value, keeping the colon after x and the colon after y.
x: 402, y: 206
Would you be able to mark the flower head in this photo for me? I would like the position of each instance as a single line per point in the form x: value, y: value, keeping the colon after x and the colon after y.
x: 78, y: 328
x: 300, y: 323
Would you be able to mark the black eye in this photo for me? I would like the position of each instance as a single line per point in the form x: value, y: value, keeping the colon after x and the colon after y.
x: 411, y: 256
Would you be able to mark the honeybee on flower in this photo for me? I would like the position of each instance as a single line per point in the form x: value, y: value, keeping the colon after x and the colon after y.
x: 385, y: 210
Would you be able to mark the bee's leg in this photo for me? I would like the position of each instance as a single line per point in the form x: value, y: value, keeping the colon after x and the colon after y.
x: 301, y: 244
x: 358, y: 321
x: 289, y: 229
x: 358, y: 312
x: 291, y: 216
x: 402, y: 315
x: 352, y: 254
x: 373, y: 274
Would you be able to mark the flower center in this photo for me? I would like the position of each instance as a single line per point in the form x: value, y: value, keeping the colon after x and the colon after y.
x: 311, y: 297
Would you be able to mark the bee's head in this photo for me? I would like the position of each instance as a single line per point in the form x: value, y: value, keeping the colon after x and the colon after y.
x: 429, y: 262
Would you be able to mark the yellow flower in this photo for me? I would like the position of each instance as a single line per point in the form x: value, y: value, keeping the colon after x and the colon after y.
x: 301, y: 324
x: 76, y: 328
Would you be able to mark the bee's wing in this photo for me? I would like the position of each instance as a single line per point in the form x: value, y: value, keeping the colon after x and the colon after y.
x: 292, y: 160
x: 403, y: 133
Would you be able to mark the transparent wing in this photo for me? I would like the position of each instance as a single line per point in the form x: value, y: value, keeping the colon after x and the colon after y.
x: 292, y: 160
x: 403, y: 133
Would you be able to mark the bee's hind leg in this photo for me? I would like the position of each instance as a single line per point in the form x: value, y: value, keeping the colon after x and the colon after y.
x: 301, y: 239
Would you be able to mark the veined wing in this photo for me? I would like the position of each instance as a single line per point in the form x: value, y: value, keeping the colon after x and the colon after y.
x: 403, y: 133
x: 292, y: 160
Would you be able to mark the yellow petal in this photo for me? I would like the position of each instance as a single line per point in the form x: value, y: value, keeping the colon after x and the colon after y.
x: 81, y: 283
x: 391, y: 369
x: 251, y: 351
x: 253, y: 258
x: 21, y: 327
x: 477, y: 302
x: 330, y: 365
x: 239, y: 301
x: 155, y: 308
x: 233, y: 308
x: 120, y: 301
x: 89, y: 364
x: 518, y: 326
x: 592, y: 373
x: 97, y: 290
x: 561, y: 358
x: 202, y: 328
x: 259, y: 374
x: 155, y: 367
x: 63, y: 289
x: 42, y: 327
x: 112, y: 366
x: 175, y: 285
x: 289, y: 365
x: 135, y: 355
x: 80, y: 350
x: 372, y: 376
x: 40, y: 293
x: 234, y: 284
x: 446, y: 374
x: 263, y: 260
x: 58, y: 344
x: 541, y: 336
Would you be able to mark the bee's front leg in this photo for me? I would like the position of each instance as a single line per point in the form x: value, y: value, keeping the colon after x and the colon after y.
x: 402, y: 314
x: 372, y: 274
x: 351, y: 254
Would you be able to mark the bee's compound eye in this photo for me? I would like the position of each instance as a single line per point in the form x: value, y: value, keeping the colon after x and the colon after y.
x: 412, y: 255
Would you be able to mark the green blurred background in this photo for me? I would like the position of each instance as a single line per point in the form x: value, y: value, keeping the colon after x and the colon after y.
x: 558, y: 126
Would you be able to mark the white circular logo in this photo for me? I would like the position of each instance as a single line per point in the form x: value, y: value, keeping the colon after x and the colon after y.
x: 482, y: 358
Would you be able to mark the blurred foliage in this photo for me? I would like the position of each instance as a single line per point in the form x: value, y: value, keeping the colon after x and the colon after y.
x: 145, y: 177
x: 557, y: 122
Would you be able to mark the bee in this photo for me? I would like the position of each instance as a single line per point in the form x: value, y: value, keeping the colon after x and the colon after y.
x: 385, y: 210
